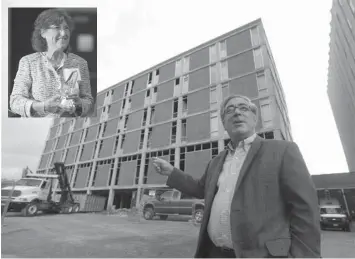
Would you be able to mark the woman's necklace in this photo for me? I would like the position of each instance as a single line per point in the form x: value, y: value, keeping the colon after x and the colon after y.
x: 55, y: 60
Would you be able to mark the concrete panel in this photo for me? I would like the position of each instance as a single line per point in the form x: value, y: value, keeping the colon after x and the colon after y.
x: 94, y: 120
x: 88, y: 151
x: 100, y: 99
x: 131, y: 142
x: 239, y: 43
x: 107, y: 147
x: 200, y: 58
x: 75, y: 139
x: 111, y: 127
x: 199, y: 78
x: 198, y: 101
x: 259, y: 125
x: 65, y: 128
x: 78, y: 123
x: 241, y: 64
x: 92, y: 133
x: 118, y: 92
x: 137, y: 101
x: 82, y: 177
x: 198, y: 127
x: 102, y: 174
x: 44, y: 160
x: 115, y: 109
x: 56, y: 157
x: 167, y: 72
x: 127, y: 173
x: 165, y: 91
x: 135, y: 120
x: 153, y: 176
x: 61, y: 141
x: 163, y: 112
x: 161, y: 135
x: 140, y: 83
x: 49, y: 145
x: 196, y: 162
x: 246, y: 85
x: 53, y: 132
x: 70, y: 159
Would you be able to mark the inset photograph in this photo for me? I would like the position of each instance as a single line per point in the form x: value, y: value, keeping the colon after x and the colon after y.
x: 52, y: 62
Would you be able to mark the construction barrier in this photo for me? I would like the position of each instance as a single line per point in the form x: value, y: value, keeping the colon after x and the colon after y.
x: 90, y: 203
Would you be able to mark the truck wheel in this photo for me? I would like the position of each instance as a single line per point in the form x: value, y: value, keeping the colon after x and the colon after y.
x: 148, y: 213
x: 163, y: 217
x: 30, y: 210
x: 198, y: 215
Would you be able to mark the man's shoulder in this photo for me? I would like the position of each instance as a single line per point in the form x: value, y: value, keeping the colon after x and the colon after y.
x: 277, y: 143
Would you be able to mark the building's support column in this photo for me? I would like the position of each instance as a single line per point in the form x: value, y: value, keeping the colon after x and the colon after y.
x: 93, y: 169
x: 346, y: 203
x: 111, y: 196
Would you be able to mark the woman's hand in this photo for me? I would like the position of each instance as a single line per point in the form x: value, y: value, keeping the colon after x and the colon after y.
x: 52, y: 104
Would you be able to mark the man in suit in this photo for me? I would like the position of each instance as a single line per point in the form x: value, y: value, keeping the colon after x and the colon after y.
x: 260, y: 200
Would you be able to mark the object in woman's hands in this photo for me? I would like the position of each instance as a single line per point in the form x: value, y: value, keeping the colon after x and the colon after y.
x: 70, y: 89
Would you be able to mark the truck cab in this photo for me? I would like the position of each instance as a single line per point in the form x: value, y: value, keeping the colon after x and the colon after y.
x: 333, y: 216
x: 26, y: 191
x: 167, y: 202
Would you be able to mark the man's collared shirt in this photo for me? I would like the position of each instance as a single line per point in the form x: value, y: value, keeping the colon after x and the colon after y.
x: 219, y: 228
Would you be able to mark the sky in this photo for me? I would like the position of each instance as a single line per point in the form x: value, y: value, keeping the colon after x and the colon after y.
x: 135, y: 35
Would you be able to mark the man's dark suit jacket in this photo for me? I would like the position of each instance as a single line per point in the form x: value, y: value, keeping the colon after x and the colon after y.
x: 274, y: 211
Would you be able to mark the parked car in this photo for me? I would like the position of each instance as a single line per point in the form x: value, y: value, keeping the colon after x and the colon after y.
x: 333, y: 216
x: 170, y: 202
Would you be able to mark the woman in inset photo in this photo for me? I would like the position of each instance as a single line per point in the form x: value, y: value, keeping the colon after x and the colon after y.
x: 52, y: 82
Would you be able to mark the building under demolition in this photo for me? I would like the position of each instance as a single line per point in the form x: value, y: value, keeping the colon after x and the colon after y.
x: 171, y: 111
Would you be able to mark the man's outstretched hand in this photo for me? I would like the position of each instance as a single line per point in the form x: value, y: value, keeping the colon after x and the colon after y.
x: 162, y: 167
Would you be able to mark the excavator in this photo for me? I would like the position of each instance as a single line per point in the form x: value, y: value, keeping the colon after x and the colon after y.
x: 34, y: 193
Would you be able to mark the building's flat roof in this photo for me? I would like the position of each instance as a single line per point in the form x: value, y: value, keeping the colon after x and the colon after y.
x: 333, y: 181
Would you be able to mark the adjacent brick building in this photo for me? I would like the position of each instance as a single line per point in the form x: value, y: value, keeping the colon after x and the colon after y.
x: 170, y: 110
x: 341, y: 74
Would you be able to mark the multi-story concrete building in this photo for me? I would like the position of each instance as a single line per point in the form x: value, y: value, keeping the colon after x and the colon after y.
x: 341, y: 74
x: 171, y: 111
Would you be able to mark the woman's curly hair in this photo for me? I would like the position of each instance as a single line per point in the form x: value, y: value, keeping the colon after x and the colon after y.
x: 44, y: 21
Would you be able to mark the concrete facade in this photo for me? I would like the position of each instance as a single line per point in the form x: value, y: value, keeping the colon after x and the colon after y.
x: 341, y: 74
x: 172, y: 111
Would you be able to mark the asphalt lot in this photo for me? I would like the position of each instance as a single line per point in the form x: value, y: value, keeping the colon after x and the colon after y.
x: 98, y: 235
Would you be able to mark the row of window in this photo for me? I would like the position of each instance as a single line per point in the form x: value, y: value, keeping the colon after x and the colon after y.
x: 266, y: 115
x: 123, y: 121
x: 170, y: 153
x: 218, y: 73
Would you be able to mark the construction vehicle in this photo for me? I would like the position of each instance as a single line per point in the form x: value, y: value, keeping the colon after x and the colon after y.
x: 34, y: 193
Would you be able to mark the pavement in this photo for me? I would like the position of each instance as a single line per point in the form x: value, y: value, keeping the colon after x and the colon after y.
x: 101, y: 236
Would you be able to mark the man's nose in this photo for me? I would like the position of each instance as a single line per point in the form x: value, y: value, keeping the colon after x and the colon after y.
x: 237, y: 112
